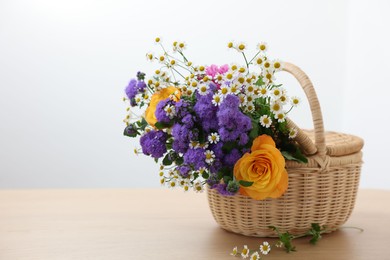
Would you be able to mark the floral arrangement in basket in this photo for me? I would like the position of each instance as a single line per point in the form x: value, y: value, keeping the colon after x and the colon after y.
x: 221, y: 126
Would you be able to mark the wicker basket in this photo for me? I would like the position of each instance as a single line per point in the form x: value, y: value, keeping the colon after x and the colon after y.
x: 322, y: 191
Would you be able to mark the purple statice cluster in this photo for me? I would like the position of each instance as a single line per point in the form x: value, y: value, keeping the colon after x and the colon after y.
x: 134, y: 87
x: 153, y: 143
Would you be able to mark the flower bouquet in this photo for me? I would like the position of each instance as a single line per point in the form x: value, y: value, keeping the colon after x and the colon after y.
x: 226, y: 128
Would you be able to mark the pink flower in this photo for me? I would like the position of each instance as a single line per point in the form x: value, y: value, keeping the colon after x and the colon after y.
x: 212, y: 70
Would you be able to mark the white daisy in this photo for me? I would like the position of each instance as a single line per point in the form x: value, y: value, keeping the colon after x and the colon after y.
x: 210, y: 156
x: 268, y: 76
x: 259, y: 60
x: 162, y: 181
x: 198, y: 187
x: 276, y: 92
x: 250, y: 107
x: 280, y: 116
x: 265, y: 248
x: 224, y: 90
x: 194, y: 144
x: 277, y: 65
x: 240, y: 79
x: 170, y: 111
x: 242, y: 99
x: 293, y: 133
x: 242, y: 69
x: 229, y: 76
x: 203, y: 89
x: 283, y: 99
x: 219, y: 78
x: 262, y: 46
x: 240, y: 47
x: 172, y: 183
x: 217, y: 99
x: 265, y: 121
x: 255, y: 256
x: 250, y: 98
x: 276, y: 106
x: 150, y: 56
x: 138, y: 98
x: 250, y: 89
x: 234, y: 89
x: 213, y: 138
x: 295, y: 101
x: 263, y: 92
x: 234, y: 251
x: 245, y: 252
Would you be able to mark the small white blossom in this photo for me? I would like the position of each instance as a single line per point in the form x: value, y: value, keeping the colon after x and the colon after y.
x: 234, y: 251
x: 245, y: 252
x: 293, y: 133
x: 255, y: 256
x: 217, y: 99
x: 210, y: 156
x: 265, y: 121
x: 295, y: 101
x: 170, y: 111
x: 213, y: 138
x: 265, y: 248
x: 280, y: 116
x: 203, y: 89
x: 198, y: 187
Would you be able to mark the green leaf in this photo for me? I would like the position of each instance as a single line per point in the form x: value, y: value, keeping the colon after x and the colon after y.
x: 298, y: 157
x: 246, y: 183
x: 259, y: 82
x: 167, y: 161
x: 179, y: 161
x: 226, y: 179
x: 161, y: 125
x: 205, y: 175
x: 228, y: 146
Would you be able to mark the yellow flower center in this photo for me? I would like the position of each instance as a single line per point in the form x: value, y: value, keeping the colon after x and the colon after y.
x: 277, y: 65
x: 262, y: 47
x: 276, y: 107
x: 234, y: 67
x: 229, y: 76
x: 157, y: 39
x: 230, y: 45
x: 241, y: 47
x: 162, y: 58
x: 203, y: 89
x: 263, y: 91
x: 259, y: 61
x: 280, y: 116
x: 276, y: 92
x: 201, y: 68
x: 241, y: 70
x: 250, y: 88
x: 241, y: 80
x: 266, y: 121
x: 217, y: 99
x: 224, y: 91
x: 181, y: 45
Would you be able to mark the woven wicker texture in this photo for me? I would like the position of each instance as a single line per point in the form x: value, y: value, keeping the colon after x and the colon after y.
x: 322, y: 191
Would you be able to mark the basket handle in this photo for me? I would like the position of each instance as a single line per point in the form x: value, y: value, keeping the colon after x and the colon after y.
x: 319, y: 135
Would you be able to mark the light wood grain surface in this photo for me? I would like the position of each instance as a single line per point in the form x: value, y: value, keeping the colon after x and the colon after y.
x: 161, y: 224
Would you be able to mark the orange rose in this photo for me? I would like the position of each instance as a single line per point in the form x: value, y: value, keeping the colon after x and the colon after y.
x: 150, y: 117
x: 265, y: 167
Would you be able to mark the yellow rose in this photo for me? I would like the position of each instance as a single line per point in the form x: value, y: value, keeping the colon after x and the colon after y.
x: 265, y: 167
x: 150, y: 117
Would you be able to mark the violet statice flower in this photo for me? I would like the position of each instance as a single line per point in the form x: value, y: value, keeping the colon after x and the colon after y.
x: 206, y: 112
x: 213, y: 179
x: 221, y: 188
x: 232, y: 157
x: 153, y: 143
x: 131, y: 91
x: 233, y: 124
x: 181, y: 138
x: 196, y: 158
x: 160, y: 113
x: 182, y: 108
x: 184, y: 170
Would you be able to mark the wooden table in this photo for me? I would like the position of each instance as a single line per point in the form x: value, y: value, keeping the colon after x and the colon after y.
x: 161, y: 224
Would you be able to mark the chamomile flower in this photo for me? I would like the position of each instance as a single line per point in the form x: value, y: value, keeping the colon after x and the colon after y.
x: 146, y: 97
x: 201, y: 69
x: 188, y: 63
x: 250, y: 89
x: 250, y: 107
x: 259, y: 61
x: 279, y: 244
x: 276, y: 107
x: 283, y: 99
x: 265, y: 121
x: 217, y: 99
x: 172, y: 183
x: 293, y: 133
x: 262, y: 46
x: 186, y: 186
x: 234, y: 251
x: 241, y: 47
x: 277, y: 65
x: 213, y: 138
x: 138, y: 98
x: 255, y: 256
x: 250, y: 98
x: 242, y: 69
x: 206, y: 79
x: 162, y: 181
x: 149, y: 56
x: 280, y: 116
x: 229, y: 76
x: 218, y: 78
x: 230, y: 45
x: 265, y: 248
x: 263, y: 92
x: 181, y: 46
x: 172, y: 62
x: 203, y: 89
x: 224, y: 90
x: 267, y: 65
x: 277, y: 93
x: 170, y: 111
x: 161, y: 58
x: 198, y: 187
x: 242, y: 99
x: 295, y: 101
x: 245, y: 252
x: 234, y: 89
x: 234, y: 67
x: 210, y: 156
x: 194, y: 144
x: 268, y: 76
x: 240, y: 79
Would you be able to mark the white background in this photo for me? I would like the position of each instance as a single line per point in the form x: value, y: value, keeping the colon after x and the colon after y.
x: 64, y: 65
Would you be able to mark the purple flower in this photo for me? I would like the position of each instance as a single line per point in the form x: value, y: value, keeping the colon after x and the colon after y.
x: 206, y: 112
x: 184, y: 170
x: 181, y: 136
x: 221, y: 188
x: 182, y: 108
x: 160, y: 113
x: 195, y: 157
x: 153, y: 143
x: 231, y: 158
x: 131, y: 89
